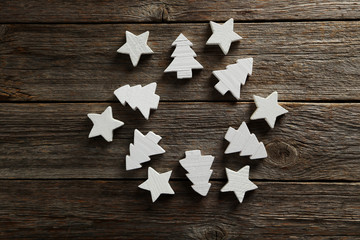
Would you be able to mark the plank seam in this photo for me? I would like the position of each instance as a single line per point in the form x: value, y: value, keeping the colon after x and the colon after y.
x: 194, y: 22
x: 179, y: 180
x: 189, y: 101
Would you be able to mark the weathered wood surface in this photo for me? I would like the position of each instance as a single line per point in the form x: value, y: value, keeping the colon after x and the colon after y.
x: 56, y: 183
x: 302, y: 61
x: 120, y: 210
x: 169, y: 10
x: 311, y: 142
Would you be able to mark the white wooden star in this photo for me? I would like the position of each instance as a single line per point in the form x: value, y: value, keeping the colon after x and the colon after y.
x: 157, y: 183
x: 268, y: 108
x: 135, y: 46
x: 239, y: 182
x: 223, y: 35
x: 104, y: 124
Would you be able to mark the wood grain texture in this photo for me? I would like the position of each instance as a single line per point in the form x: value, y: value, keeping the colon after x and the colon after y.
x: 120, y: 210
x: 59, y: 58
x: 168, y: 10
x: 302, y: 61
x: 311, y: 142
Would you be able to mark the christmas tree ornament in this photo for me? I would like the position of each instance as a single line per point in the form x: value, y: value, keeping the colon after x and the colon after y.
x: 199, y: 171
x: 135, y: 46
x: 104, y: 124
x: 239, y: 182
x: 223, y: 35
x: 241, y: 140
x: 157, y: 183
x: 268, y: 108
x: 138, y: 97
x: 142, y: 149
x: 184, y: 60
x: 235, y: 75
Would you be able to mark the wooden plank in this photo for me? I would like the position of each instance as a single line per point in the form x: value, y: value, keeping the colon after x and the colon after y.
x: 311, y: 142
x: 120, y: 210
x: 302, y: 61
x: 168, y: 10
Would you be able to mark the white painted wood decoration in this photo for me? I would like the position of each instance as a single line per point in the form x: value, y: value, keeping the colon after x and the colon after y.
x: 241, y: 140
x: 223, y: 35
x: 135, y: 46
x: 184, y: 60
x: 235, y: 75
x: 199, y: 171
x: 268, y: 108
x: 157, y: 183
x: 104, y: 124
x: 142, y: 149
x: 138, y: 97
x: 238, y: 182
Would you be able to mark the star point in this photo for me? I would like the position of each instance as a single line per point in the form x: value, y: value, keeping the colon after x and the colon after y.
x: 239, y: 182
x: 223, y: 35
x: 157, y: 183
x: 135, y: 46
x: 268, y: 108
x: 104, y: 124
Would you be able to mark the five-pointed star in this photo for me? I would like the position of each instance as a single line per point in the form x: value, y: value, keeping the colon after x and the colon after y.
x: 239, y: 182
x: 223, y: 35
x: 135, y: 46
x: 157, y: 183
x: 104, y: 124
x: 268, y: 108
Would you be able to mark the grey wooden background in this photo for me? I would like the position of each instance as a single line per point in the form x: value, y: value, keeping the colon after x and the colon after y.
x: 58, y: 62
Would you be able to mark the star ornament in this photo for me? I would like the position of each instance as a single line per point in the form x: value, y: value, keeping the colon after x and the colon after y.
x: 239, y: 182
x: 157, y: 183
x: 135, y: 46
x: 104, y: 124
x: 268, y: 108
x: 223, y: 35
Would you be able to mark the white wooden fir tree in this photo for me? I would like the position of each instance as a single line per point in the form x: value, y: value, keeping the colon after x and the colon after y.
x: 199, y: 171
x: 235, y: 75
x: 138, y: 97
x: 142, y: 149
x: 241, y: 140
x: 184, y: 58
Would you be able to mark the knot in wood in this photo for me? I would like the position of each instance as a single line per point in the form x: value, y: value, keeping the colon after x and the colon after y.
x: 216, y: 233
x: 281, y: 154
x: 3, y: 30
x: 165, y: 14
x: 209, y: 233
x: 157, y: 13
